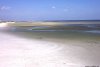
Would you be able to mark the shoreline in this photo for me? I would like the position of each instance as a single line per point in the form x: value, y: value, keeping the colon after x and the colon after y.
x: 88, y: 39
x: 22, y: 51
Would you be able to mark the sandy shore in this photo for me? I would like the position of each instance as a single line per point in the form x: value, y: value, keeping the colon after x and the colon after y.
x: 23, y: 52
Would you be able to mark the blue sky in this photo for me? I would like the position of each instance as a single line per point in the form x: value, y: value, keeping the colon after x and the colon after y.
x: 29, y: 10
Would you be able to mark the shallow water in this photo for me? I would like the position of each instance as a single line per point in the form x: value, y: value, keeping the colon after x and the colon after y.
x: 59, y: 34
x: 21, y: 47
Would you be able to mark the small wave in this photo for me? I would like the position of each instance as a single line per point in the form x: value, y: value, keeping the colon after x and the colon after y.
x: 93, y: 31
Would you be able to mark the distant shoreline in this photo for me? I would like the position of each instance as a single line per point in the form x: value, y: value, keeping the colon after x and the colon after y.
x: 72, y: 21
x: 55, y: 21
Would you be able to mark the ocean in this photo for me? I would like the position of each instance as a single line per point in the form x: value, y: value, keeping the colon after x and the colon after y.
x: 60, y: 33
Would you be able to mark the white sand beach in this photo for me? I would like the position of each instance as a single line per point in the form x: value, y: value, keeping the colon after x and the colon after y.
x: 20, y: 52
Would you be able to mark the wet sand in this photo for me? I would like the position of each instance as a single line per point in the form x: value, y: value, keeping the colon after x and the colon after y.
x: 49, y: 49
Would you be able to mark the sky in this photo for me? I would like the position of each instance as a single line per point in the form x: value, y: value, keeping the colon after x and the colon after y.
x: 30, y: 10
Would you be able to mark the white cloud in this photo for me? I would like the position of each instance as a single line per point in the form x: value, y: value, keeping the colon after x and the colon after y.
x: 5, y: 8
